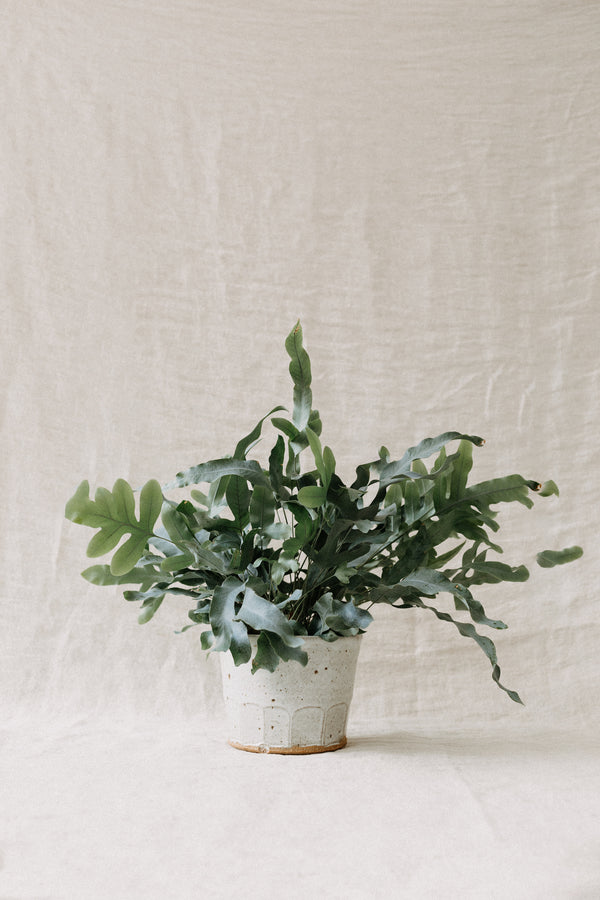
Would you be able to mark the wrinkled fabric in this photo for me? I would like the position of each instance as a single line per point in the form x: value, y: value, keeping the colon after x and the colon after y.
x: 419, y: 184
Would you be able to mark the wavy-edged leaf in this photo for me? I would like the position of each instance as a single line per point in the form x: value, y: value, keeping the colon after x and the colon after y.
x: 493, y: 572
x: 151, y: 600
x: 314, y: 422
x: 208, y: 472
x: 101, y: 575
x: 230, y: 634
x: 347, y: 619
x: 422, y: 450
x: 287, y: 427
x: 485, y: 643
x: 150, y: 607
x: 499, y: 490
x: 287, y: 654
x: 547, y: 559
x: 301, y: 376
x: 114, y: 514
x: 430, y: 582
x: 265, y: 656
x: 262, y: 615
x: 445, y: 558
x: 246, y: 443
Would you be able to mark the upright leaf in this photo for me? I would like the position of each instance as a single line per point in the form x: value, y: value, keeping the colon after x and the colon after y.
x: 301, y: 376
x: 246, y: 443
x: 460, y: 470
x: 262, y: 507
x: 276, y: 459
x: 238, y: 499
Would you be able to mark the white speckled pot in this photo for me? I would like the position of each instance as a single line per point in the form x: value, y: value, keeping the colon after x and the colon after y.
x: 295, y: 709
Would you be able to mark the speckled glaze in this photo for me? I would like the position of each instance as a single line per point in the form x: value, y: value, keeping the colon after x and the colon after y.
x: 296, y: 709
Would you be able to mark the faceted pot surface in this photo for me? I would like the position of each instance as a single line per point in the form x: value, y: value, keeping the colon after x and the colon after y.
x: 295, y: 709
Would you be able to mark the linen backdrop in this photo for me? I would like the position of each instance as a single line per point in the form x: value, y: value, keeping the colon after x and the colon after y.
x: 418, y: 182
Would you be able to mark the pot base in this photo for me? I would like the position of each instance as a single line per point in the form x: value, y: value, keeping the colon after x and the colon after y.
x: 288, y: 751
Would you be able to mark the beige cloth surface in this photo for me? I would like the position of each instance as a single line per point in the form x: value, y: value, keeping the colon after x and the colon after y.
x: 419, y: 182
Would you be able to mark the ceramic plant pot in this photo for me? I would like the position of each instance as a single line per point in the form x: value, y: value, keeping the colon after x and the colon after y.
x: 295, y: 709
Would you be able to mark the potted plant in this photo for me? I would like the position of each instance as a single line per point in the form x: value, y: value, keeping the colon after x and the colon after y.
x: 282, y: 562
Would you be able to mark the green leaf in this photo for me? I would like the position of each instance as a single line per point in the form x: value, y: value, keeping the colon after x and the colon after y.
x: 114, y: 514
x: 485, y: 643
x: 418, y: 501
x: 276, y: 459
x: 287, y: 654
x: 177, y: 563
x: 317, y: 452
x: 261, y: 615
x: 151, y: 598
x: 494, y: 572
x: 461, y: 467
x: 176, y: 525
x: 246, y: 443
x: 151, y: 500
x: 329, y: 463
x: 312, y: 496
x: 207, y: 639
x: 262, y: 507
x: 447, y: 556
x: 287, y: 427
x: 548, y: 488
x: 278, y: 531
x: 424, y: 449
x: 314, y: 421
x: 238, y: 499
x: 207, y: 472
x: 430, y: 582
x: 200, y: 498
x: 265, y: 656
x: 499, y: 490
x: 549, y: 558
x: 149, y: 609
x: 281, y: 567
x: 102, y: 575
x: 346, y: 618
x: 301, y: 376
x: 305, y: 524
x: 229, y: 633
